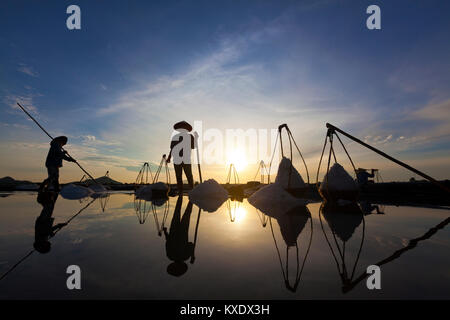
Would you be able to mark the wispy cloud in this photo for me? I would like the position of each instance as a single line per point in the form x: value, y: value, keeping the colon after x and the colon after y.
x: 438, y: 114
x: 26, y: 100
x: 27, y: 70
x: 91, y: 140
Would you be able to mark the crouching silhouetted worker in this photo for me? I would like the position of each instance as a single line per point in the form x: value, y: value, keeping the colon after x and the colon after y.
x: 178, y: 246
x: 180, y: 148
x: 43, y: 228
x: 54, y: 160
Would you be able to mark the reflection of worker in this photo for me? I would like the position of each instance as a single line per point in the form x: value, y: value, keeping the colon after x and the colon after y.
x: 180, y: 149
x: 363, y: 176
x: 178, y: 247
x: 44, y: 229
x: 54, y: 162
x: 367, y: 208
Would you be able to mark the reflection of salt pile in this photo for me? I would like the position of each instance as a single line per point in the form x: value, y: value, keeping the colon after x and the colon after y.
x: 274, y: 201
x: 98, y: 188
x: 99, y: 191
x: 31, y: 186
x: 74, y: 192
x: 208, y: 195
x: 343, y: 220
x: 338, y: 185
x: 155, y: 190
x: 292, y: 224
x: 284, y: 170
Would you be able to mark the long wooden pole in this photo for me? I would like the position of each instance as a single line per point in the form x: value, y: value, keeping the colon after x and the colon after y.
x: 35, y: 121
x: 195, y: 236
x: 420, y: 173
x: 198, y: 157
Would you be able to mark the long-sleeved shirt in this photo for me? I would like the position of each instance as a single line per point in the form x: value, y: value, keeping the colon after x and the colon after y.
x: 55, y: 155
x: 178, y: 138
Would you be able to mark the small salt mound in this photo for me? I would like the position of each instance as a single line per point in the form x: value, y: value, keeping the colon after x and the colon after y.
x: 208, y: 195
x: 282, y: 179
x: 274, y: 201
x: 338, y: 180
x: 160, y: 186
x: 145, y: 193
x: 74, y: 192
x: 155, y: 190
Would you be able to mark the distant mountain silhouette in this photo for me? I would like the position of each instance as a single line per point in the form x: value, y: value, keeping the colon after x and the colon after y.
x: 102, y: 180
x: 8, y: 181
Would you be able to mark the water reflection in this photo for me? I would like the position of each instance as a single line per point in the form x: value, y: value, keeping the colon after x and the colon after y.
x: 343, y: 221
x: 368, y: 208
x: 103, y: 198
x: 262, y: 218
x: 247, y: 257
x: 291, y: 225
x: 143, y: 207
x: 236, y: 210
x: 178, y: 246
x: 348, y: 286
x: 44, y: 229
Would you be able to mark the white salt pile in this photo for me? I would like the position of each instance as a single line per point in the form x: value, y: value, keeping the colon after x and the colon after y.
x: 274, y: 201
x: 208, y: 195
x: 74, y: 192
x: 160, y: 186
x: 144, y: 192
x: 154, y: 190
x: 282, y: 179
x: 338, y: 180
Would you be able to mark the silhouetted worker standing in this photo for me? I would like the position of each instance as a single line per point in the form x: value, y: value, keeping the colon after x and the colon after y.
x: 363, y: 176
x: 178, y: 246
x: 182, y: 144
x: 44, y: 229
x: 54, y: 160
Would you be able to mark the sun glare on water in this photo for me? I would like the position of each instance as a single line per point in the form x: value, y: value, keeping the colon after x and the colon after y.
x: 237, y: 212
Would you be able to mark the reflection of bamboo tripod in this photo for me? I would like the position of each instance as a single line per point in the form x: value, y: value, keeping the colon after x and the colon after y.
x: 299, y: 269
x: 342, y: 270
x: 32, y: 251
x: 232, y: 210
x: 143, y: 208
x: 104, y: 201
x: 262, y: 217
x: 159, y: 226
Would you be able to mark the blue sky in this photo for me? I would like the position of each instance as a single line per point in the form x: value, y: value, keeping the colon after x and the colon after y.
x: 116, y: 86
